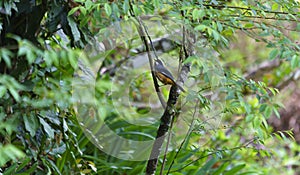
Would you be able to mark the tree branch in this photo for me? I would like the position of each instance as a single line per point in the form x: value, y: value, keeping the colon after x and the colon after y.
x: 294, y: 76
x: 169, y: 112
x: 246, y: 9
x: 165, y: 123
x: 268, y: 66
x: 261, y: 69
x: 142, y: 34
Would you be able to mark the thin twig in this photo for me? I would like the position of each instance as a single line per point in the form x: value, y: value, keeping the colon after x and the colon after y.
x: 186, y: 136
x: 262, y: 17
x: 167, y: 146
x: 247, y: 9
x: 143, y: 38
x: 149, y: 38
x: 179, y: 68
x: 217, y: 151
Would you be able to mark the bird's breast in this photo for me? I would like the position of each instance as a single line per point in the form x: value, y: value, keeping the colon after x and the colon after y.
x: 164, y: 79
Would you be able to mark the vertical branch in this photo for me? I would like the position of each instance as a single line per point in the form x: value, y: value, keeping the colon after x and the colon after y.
x: 165, y: 123
x: 167, y: 145
x: 169, y: 112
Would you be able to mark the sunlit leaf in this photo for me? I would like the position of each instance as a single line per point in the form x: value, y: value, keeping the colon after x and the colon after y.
x: 9, y: 152
x: 47, y: 128
x: 6, y: 55
x: 235, y: 169
x: 273, y: 53
x: 275, y: 6
x: 107, y: 8
x: 31, y: 124
x: 74, y: 29
x: 3, y: 90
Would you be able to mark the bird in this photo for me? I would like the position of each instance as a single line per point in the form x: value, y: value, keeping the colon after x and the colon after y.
x: 164, y: 75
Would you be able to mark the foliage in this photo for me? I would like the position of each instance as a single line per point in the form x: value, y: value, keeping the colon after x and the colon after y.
x: 222, y: 127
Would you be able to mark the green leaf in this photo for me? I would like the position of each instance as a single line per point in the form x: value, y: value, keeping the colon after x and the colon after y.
x: 31, y: 170
x: 276, y: 112
x: 216, y: 35
x: 25, y: 161
x: 14, y: 93
x: 273, y: 54
x: 30, y: 55
x: 248, y: 25
x: 3, y: 90
x: 6, y: 54
x: 82, y: 10
x: 201, y: 27
x: 54, y: 57
x: 227, y: 32
x: 273, y: 90
x: 264, y: 122
x: 221, y: 169
x: 31, y: 124
x: 9, y: 152
x: 47, y: 128
x: 256, y: 121
x: 10, y: 170
x: 156, y: 3
x: 250, y: 117
x: 205, y: 168
x: 74, y: 29
x: 73, y: 10
x: 246, y: 106
x: 195, y: 14
x: 230, y: 95
x: 235, y: 169
x: 292, y: 16
x: 51, y: 164
x: 190, y: 59
x: 287, y: 54
x: 268, y: 112
x: 47, y: 58
x: 88, y: 4
x: 73, y: 59
x: 138, y: 134
x: 275, y: 6
x: 219, y: 26
x: 115, y: 9
x: 209, y: 31
x: 107, y: 8
x: 126, y: 6
x: 136, y: 10
x: 295, y: 61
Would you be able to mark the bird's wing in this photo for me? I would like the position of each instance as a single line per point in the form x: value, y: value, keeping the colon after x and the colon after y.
x: 165, y: 71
